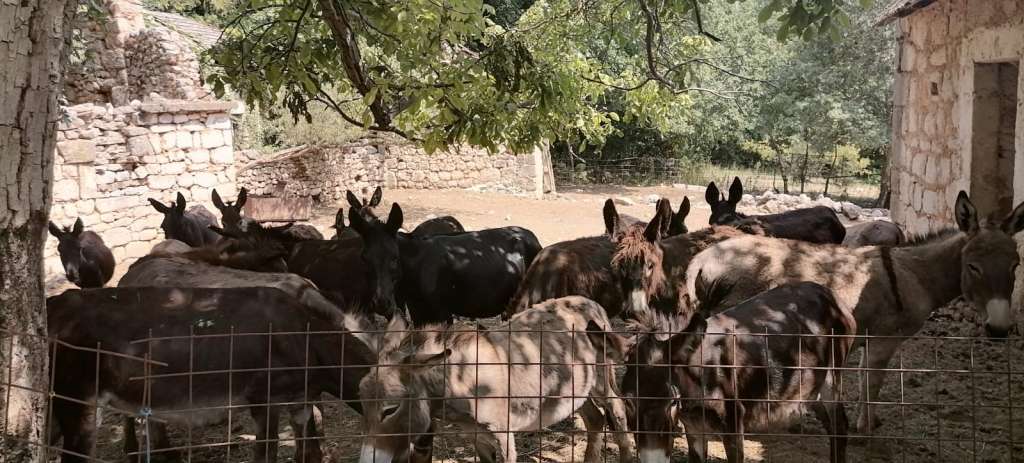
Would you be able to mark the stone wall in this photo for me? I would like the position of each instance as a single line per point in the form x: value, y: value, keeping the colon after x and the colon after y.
x: 116, y: 58
x: 110, y: 159
x: 325, y: 173
x: 934, y: 113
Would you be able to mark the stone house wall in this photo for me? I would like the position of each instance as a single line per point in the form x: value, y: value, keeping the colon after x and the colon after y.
x: 109, y: 160
x: 934, y: 94
x: 325, y: 173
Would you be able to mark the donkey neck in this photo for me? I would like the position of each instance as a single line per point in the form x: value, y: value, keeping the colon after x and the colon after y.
x: 936, y: 267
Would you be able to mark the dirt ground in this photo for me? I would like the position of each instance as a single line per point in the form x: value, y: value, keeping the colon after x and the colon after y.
x: 953, y: 400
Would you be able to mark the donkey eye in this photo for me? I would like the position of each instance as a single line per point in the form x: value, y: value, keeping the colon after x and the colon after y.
x: 974, y: 269
x: 388, y: 411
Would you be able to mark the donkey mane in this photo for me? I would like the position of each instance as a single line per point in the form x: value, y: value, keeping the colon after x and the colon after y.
x: 924, y: 238
x: 632, y: 246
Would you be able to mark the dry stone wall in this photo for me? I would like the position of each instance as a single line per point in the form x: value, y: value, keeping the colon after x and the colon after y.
x: 160, y: 61
x: 934, y: 91
x: 110, y: 159
x: 325, y: 173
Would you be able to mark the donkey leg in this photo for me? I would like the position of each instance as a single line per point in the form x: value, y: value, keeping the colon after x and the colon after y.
x: 875, y: 358
x: 615, y: 411
x: 594, y: 421
x: 307, y: 447
x: 78, y: 425
x: 733, y: 438
x: 131, y: 442
x: 507, y: 443
x: 833, y: 418
x: 696, y: 441
x: 265, y: 418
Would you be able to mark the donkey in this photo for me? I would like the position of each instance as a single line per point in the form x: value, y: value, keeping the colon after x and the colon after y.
x: 231, y: 213
x: 357, y: 270
x: 192, y: 227
x: 444, y: 225
x: 196, y: 320
x: 873, y: 233
x: 890, y: 290
x: 342, y: 231
x: 368, y: 208
x: 817, y: 224
x: 738, y: 372
x: 472, y: 378
x: 648, y: 269
x: 582, y: 267
x: 87, y: 261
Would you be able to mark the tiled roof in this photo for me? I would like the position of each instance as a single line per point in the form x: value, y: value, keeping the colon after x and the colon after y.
x: 201, y: 33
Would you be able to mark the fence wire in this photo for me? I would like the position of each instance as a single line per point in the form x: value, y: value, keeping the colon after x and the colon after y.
x: 945, y: 397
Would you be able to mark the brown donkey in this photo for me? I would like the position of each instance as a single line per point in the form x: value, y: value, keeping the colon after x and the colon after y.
x: 582, y: 266
x: 648, y: 269
x: 890, y: 290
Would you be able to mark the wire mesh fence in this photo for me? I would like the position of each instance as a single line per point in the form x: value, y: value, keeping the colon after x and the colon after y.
x: 457, y: 395
x: 651, y: 170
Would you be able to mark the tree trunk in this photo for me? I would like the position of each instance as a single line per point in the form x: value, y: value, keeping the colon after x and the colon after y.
x: 832, y: 169
x: 884, y: 187
x: 803, y: 168
x: 33, y: 39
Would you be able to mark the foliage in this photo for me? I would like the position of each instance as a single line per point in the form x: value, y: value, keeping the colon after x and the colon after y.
x: 267, y: 130
x: 452, y: 71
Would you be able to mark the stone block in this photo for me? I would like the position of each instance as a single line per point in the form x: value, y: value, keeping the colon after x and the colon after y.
x: 206, y: 179
x: 186, y: 180
x: 134, y: 131
x: 140, y: 145
x: 138, y: 249
x: 218, y: 121
x: 199, y: 156
x: 222, y: 155
x: 65, y: 190
x: 173, y: 168
x: 77, y: 151
x: 193, y: 126
x: 116, y: 203
x: 183, y: 139
x: 85, y: 207
x: 180, y: 118
x: 161, y: 182
x: 166, y: 118
x: 162, y: 128
x: 168, y: 140
x: 199, y: 194
x: 119, y: 254
x: 212, y: 138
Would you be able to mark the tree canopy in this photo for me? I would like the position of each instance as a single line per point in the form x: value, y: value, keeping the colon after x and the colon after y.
x: 499, y: 72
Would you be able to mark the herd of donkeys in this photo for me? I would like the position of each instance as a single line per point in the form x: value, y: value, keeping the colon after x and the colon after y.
x: 730, y: 329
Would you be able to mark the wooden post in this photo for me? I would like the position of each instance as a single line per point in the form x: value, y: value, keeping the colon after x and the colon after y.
x: 538, y: 170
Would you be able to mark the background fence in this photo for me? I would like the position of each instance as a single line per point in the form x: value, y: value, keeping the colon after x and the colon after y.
x: 947, y: 398
x: 651, y: 170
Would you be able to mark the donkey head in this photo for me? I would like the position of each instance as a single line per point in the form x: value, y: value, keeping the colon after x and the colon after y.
x: 231, y: 213
x: 395, y: 397
x: 677, y: 224
x: 71, y: 250
x: 380, y: 253
x: 989, y: 262
x: 636, y: 261
x: 723, y: 211
x: 368, y: 208
x: 173, y: 224
x: 341, y: 230
x: 649, y: 386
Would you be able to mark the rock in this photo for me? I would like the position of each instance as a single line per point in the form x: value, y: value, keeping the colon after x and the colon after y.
x: 206, y: 179
x: 212, y: 139
x: 851, y: 211
x: 652, y: 199
x: 77, y: 151
x: 161, y: 182
x: 65, y: 190
x: 140, y: 146
x: 623, y: 201
x: 118, y: 236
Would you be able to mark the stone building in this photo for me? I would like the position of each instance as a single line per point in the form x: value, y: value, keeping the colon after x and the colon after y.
x: 958, y: 119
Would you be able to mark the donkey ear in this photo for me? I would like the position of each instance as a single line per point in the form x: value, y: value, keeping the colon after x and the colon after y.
x: 1015, y: 221
x: 159, y: 206
x: 353, y: 201
x: 78, y: 228
x: 735, y: 191
x: 711, y: 195
x: 357, y: 222
x: 55, y: 230
x: 179, y: 204
x: 378, y: 194
x: 614, y: 346
x: 216, y: 200
x: 611, y: 218
x: 426, y: 359
x: 684, y: 209
x: 666, y: 219
x: 966, y: 214
x: 242, y: 196
x: 395, y: 218
x: 658, y: 225
x: 339, y: 219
